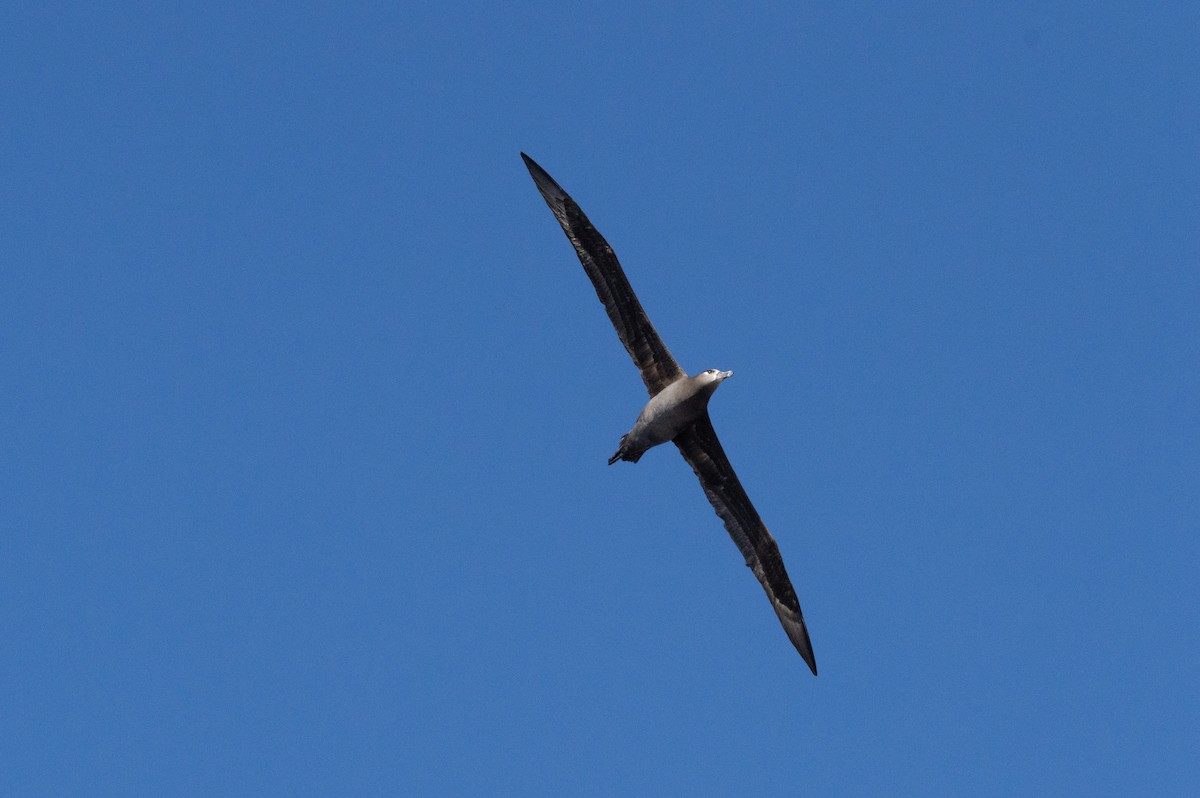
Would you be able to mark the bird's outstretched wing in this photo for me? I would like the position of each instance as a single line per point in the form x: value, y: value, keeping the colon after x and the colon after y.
x: 636, y: 332
x: 700, y: 447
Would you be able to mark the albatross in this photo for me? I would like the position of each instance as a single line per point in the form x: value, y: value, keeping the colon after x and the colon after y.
x: 677, y: 410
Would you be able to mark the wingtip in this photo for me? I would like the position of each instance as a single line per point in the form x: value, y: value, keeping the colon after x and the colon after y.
x: 804, y: 646
x: 532, y: 166
x: 550, y: 190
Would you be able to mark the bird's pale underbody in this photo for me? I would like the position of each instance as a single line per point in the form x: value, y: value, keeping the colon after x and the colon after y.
x: 677, y: 410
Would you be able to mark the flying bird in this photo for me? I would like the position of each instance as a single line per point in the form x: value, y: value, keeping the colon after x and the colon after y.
x: 677, y: 410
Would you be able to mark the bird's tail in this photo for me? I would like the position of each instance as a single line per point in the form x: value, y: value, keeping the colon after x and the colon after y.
x: 625, y: 452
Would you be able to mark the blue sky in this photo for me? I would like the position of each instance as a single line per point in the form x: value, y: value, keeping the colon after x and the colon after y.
x: 307, y: 399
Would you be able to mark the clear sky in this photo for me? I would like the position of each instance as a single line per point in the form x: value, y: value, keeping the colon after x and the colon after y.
x: 306, y: 399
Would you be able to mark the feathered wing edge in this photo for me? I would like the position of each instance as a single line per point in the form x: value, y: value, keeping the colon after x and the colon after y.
x: 641, y: 340
x: 700, y: 447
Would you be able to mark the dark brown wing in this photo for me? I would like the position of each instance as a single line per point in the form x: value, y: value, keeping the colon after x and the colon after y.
x: 636, y: 332
x: 700, y: 447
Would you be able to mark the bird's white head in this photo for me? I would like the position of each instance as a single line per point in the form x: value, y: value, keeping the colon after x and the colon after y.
x: 715, y: 376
